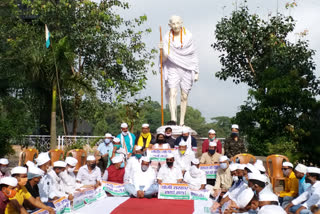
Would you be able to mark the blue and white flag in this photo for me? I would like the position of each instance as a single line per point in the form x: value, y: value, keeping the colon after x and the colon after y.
x: 47, y: 36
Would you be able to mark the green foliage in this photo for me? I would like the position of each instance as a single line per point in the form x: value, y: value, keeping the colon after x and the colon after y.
x: 281, y: 75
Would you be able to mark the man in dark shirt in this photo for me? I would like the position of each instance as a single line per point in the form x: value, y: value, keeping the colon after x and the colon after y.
x: 34, y: 177
x: 233, y: 144
x: 7, y: 190
x: 190, y: 140
x: 168, y: 137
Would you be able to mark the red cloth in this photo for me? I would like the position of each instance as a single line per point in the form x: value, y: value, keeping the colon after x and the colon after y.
x: 3, y: 202
x: 155, y: 206
x: 205, y: 146
x: 115, y: 175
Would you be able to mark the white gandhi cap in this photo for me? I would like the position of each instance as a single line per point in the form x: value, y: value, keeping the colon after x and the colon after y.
x: 211, y: 131
x: 288, y: 164
x: 108, y: 135
x: 223, y: 158
x: 10, y: 181
x: 145, y: 125
x: 145, y: 158
x: 36, y: 171
x: 116, y: 140
x: 4, y: 161
x: 235, y: 126
x: 313, y: 170
x: 42, y: 158
x: 91, y: 158
x: 117, y: 159
x: 19, y: 170
x: 61, y: 164
x: 185, y: 130
x: 124, y: 125
x: 268, y: 196
x: 258, y: 177
x: 244, y: 198
x: 71, y: 161
x: 301, y: 168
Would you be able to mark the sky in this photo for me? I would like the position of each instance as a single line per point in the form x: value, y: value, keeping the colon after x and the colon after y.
x: 214, y: 97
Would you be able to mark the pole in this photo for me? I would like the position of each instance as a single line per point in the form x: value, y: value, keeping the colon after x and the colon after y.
x: 161, y: 76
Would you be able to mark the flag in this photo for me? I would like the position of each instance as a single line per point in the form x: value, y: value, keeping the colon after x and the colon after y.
x: 47, y: 36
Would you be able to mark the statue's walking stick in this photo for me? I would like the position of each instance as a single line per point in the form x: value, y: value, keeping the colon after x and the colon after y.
x: 161, y: 76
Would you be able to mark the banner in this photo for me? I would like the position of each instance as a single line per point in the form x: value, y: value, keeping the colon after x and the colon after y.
x: 100, y: 193
x: 89, y: 195
x: 210, y: 170
x: 62, y: 205
x: 200, y: 194
x: 114, y: 189
x: 78, y: 200
x: 174, y: 191
x: 158, y: 155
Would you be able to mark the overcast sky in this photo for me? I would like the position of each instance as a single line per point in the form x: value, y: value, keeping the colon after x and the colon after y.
x: 214, y: 97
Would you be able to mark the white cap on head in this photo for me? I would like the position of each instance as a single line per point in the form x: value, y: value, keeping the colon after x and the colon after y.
x: 252, y: 168
x: 61, y: 164
x: 35, y: 171
x: 116, y: 140
x: 91, y: 158
x: 241, y: 166
x: 268, y: 196
x: 258, y: 177
x: 233, y: 166
x: 244, y: 198
x: 259, y: 165
x: 71, y: 161
x: 108, y: 135
x: 30, y: 164
x: 211, y: 131
x: 145, y: 125
x: 313, y: 170
x: 10, y: 181
x: 213, y: 143
x: 185, y: 130
x: 121, y: 151
x: 288, y: 164
x: 301, y: 168
x: 235, y: 126
x: 138, y: 148
x: 195, y: 161
x: 223, y: 158
x: 183, y: 143
x: 42, y: 158
x: 170, y: 155
x: 145, y: 158
x: 124, y: 125
x: 19, y: 170
x: 4, y: 161
x: 117, y: 159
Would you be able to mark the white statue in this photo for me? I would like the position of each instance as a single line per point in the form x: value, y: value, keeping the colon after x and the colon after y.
x: 180, y: 66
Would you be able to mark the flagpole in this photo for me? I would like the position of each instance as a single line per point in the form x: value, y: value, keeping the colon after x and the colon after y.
x: 161, y: 75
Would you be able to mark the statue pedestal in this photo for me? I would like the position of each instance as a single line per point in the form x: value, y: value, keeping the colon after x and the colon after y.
x: 176, y: 130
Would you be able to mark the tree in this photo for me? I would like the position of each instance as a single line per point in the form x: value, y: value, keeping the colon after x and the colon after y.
x: 280, y: 75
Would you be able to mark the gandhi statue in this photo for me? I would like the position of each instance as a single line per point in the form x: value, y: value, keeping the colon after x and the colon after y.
x: 180, y: 66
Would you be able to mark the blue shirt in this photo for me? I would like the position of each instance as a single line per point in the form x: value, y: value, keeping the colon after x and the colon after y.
x: 303, y: 186
x: 103, y: 148
x: 127, y: 140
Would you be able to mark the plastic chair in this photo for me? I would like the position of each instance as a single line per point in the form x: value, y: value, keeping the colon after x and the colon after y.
x: 78, y: 154
x: 244, y: 158
x: 55, y: 155
x: 27, y: 155
x: 277, y: 174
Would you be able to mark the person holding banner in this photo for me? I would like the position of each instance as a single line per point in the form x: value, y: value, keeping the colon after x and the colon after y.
x: 183, y: 157
x: 194, y: 177
x: 89, y: 174
x: 127, y: 139
x: 133, y: 164
x: 170, y: 172
x: 143, y: 183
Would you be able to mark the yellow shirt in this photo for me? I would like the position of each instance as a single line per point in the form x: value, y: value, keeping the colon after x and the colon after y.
x: 291, y: 186
x: 22, y: 194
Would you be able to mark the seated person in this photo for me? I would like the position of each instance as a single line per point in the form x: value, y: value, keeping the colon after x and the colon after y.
x: 145, y: 139
x: 268, y: 203
x: 16, y: 203
x: 7, y: 191
x: 194, y: 177
x: 291, y: 185
x: 168, y: 137
x: 187, y: 138
x: 223, y: 177
x: 115, y: 172
x: 183, y: 157
x: 117, y: 148
x: 210, y: 157
x: 143, y: 183
x: 68, y: 177
x: 34, y: 176
x: 301, y: 173
x: 104, y: 152
x: 4, y: 171
x: 160, y: 142
x: 169, y: 172
x: 89, y: 174
x: 133, y: 163
x: 211, y: 138
x: 127, y: 138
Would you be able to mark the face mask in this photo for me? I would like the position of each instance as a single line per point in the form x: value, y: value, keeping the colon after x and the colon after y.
x: 122, y: 165
x: 160, y: 141
x: 234, y: 134
x: 138, y: 156
x: 185, y: 138
x: 71, y: 169
x: 169, y: 164
x: 106, y: 141
x: 144, y: 168
x: 10, y: 193
x: 124, y: 133
x: 93, y: 166
x: 223, y: 165
x: 168, y: 134
x: 117, y: 146
x: 245, y: 180
x: 211, y: 151
x: 307, y: 180
x: 23, y: 181
x: 240, y: 177
x: 286, y: 172
x: 3, y: 168
x: 235, y: 178
x: 182, y: 152
x: 212, y: 139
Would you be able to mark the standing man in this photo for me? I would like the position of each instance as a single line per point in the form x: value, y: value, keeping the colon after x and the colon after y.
x: 180, y: 65
x: 104, y: 152
x: 127, y: 139
x: 168, y: 137
x: 145, y: 139
x: 233, y: 144
x: 188, y: 138
x: 4, y: 172
x: 211, y: 138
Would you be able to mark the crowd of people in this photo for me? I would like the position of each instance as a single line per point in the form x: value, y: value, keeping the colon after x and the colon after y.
x: 237, y: 188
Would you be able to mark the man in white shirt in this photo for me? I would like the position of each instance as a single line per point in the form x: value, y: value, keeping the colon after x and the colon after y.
x: 4, y: 172
x: 310, y: 197
x: 143, y: 181
x: 47, y: 190
x: 269, y: 203
x: 194, y: 177
x: 169, y: 172
x: 133, y: 163
x: 183, y: 157
x: 68, y: 177
x: 89, y: 174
